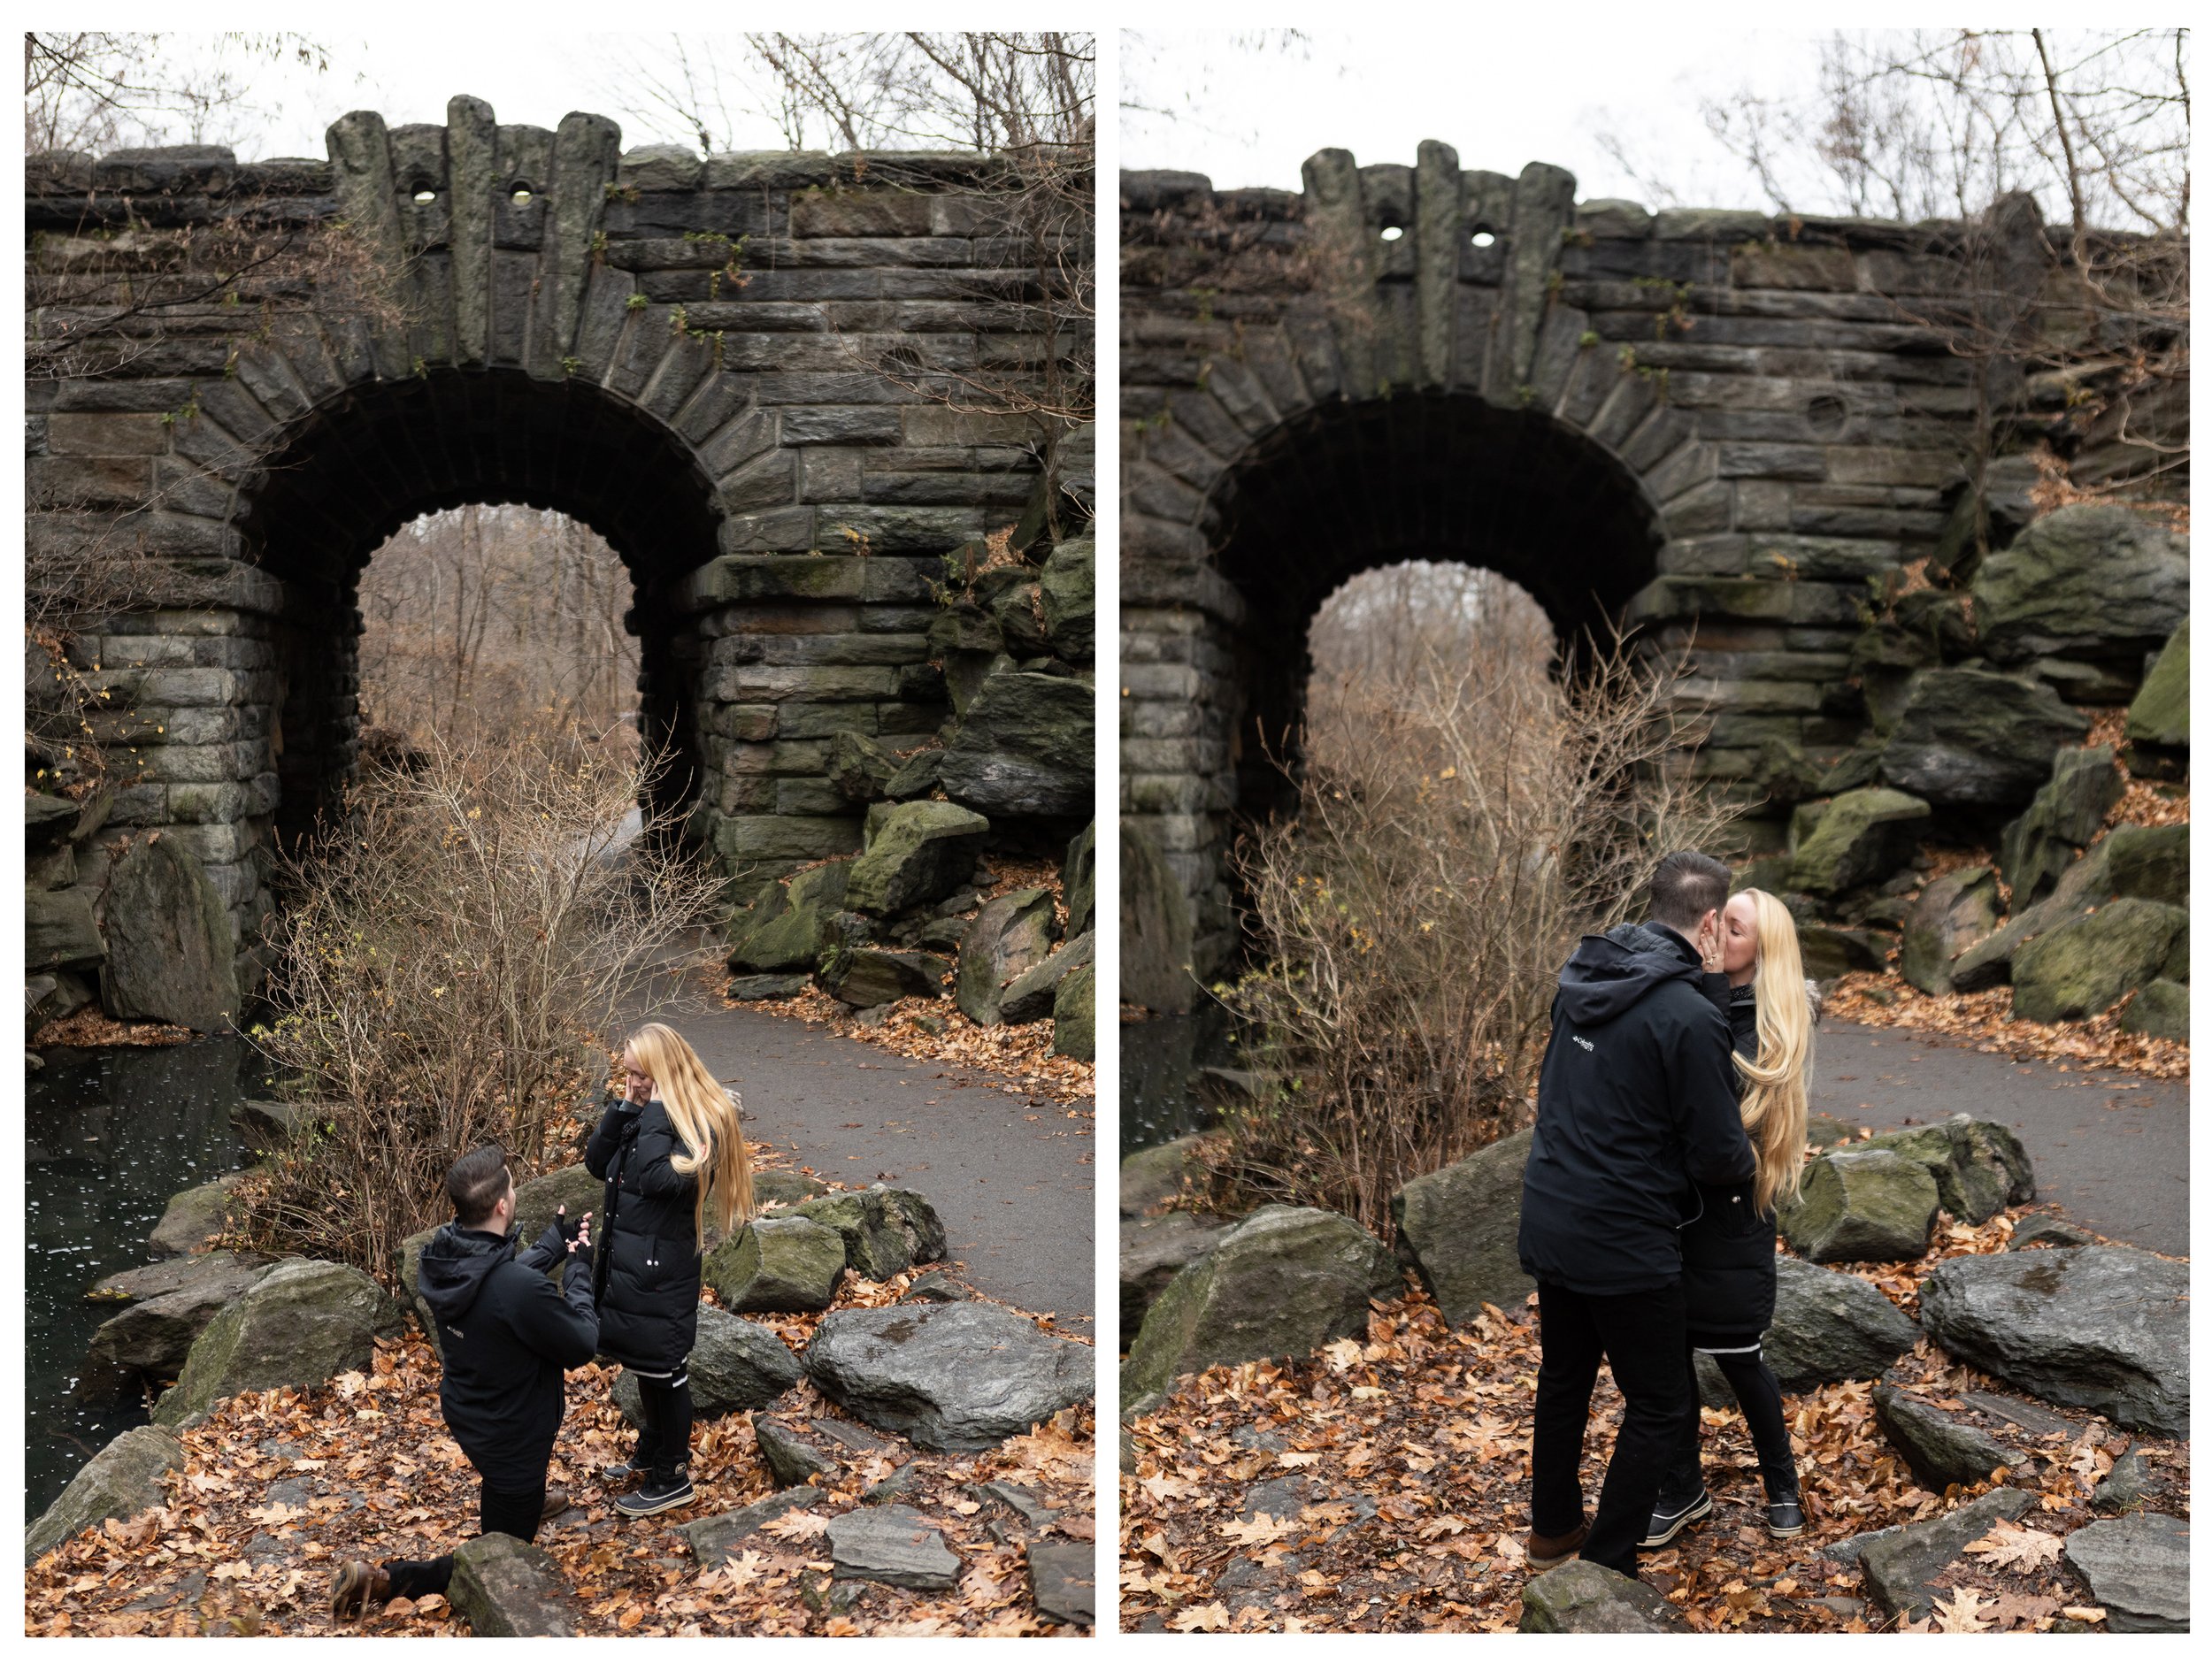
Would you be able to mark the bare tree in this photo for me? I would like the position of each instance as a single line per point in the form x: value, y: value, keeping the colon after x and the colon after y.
x: 98, y: 91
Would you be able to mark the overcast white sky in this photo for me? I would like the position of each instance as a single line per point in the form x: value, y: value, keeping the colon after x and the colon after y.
x: 1246, y: 111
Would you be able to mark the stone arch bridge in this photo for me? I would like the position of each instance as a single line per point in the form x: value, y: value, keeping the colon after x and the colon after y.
x: 1689, y: 420
x: 688, y: 353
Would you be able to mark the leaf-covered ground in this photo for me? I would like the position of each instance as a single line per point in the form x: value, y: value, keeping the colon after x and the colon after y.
x: 280, y: 1487
x: 1383, y: 1487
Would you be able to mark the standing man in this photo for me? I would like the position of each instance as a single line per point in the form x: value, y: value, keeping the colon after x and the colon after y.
x: 1637, y: 1100
x: 507, y: 1336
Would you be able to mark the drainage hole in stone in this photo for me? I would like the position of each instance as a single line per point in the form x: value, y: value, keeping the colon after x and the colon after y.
x: 426, y: 195
x: 1484, y: 237
x: 1391, y: 233
x: 1827, y: 414
x: 521, y: 196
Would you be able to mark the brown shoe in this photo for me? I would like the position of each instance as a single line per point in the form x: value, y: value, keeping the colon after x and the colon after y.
x: 359, y: 1585
x: 1546, y: 1552
x: 557, y: 1503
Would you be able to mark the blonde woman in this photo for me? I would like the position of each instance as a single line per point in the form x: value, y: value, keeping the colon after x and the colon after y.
x: 672, y: 1154
x: 1728, y: 1244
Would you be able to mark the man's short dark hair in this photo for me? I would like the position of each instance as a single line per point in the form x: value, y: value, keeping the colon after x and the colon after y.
x: 475, y: 1184
x: 1686, y: 887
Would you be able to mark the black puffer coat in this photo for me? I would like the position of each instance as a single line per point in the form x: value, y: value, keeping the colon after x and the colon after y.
x: 507, y: 1334
x: 1636, y: 1102
x: 646, y: 1282
x: 1728, y: 1244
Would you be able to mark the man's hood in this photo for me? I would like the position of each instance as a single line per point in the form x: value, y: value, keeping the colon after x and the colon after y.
x: 1609, y: 973
x: 455, y: 1266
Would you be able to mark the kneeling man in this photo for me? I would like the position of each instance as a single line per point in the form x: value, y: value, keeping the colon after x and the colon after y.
x: 508, y: 1336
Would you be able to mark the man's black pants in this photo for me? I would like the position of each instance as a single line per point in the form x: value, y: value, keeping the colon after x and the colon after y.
x: 502, y: 1512
x: 1641, y: 1335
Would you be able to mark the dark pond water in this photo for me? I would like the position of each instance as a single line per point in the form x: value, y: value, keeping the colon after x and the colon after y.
x: 108, y: 1137
x: 1157, y: 1058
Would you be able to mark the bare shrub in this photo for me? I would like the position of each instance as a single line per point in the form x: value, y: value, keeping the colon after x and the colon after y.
x: 444, y: 959
x: 1410, y: 920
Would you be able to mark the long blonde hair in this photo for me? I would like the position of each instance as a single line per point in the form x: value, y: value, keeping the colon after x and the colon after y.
x: 1774, y: 1098
x: 706, y: 1115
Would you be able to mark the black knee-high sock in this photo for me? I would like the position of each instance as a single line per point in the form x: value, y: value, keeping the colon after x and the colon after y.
x: 666, y: 1444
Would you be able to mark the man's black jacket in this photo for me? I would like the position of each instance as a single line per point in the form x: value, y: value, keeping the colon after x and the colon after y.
x: 507, y: 1335
x: 649, y: 1271
x: 1636, y: 1103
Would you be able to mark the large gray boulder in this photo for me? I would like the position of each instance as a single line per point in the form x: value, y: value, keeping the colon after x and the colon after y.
x: 1079, y: 879
x: 1152, y: 1176
x: 194, y: 1214
x: 150, y: 1339
x: 1862, y: 1204
x: 734, y: 1365
x: 1830, y: 1327
x: 1979, y: 1167
x: 1902, y: 1565
x: 1978, y: 738
x: 59, y: 929
x: 778, y: 1264
x: 2138, y: 1569
x: 789, y: 925
x: 2086, y: 883
x: 1032, y: 995
x: 167, y: 1276
x: 2160, y: 1011
x: 1953, y: 913
x: 1458, y: 1229
x: 1025, y: 748
x: 1281, y: 1282
x: 509, y: 1589
x: 1582, y: 1596
x: 1075, y: 1015
x: 860, y: 768
x: 1942, y: 1446
x: 1863, y: 836
x: 171, y: 949
x: 962, y: 1376
x: 2159, y: 718
x: 2148, y: 862
x: 791, y: 1460
x: 885, y: 1230
x: 1013, y: 933
x: 1063, y: 1581
x: 915, y: 852
x: 2086, y: 964
x: 2095, y: 582
x: 2096, y: 1327
x: 537, y: 1201
x: 121, y: 1481
x: 1153, y: 1252
x: 2038, y: 846
x: 306, y: 1322
x: 714, y: 1538
x: 893, y: 1545
x: 866, y: 977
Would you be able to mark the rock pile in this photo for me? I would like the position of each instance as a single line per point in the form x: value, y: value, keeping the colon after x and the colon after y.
x: 1978, y: 693
x: 1010, y: 772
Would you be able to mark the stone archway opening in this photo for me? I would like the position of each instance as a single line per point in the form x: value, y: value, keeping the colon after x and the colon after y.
x: 1447, y: 480
x: 359, y: 468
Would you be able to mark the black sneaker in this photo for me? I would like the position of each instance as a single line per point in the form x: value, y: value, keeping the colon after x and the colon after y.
x: 1667, y: 1520
x: 616, y: 1473
x: 1785, y: 1517
x: 656, y: 1495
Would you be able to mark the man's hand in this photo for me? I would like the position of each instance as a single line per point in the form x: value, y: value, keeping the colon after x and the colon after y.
x: 581, y: 1239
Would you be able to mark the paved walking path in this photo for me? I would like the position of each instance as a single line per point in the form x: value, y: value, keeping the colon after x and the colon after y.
x: 2111, y: 1149
x: 1011, y: 1177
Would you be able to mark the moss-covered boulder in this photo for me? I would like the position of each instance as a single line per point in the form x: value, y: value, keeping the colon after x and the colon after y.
x: 1031, y: 996
x: 1067, y: 594
x: 1458, y: 1229
x: 885, y: 1230
x: 1978, y: 738
x: 778, y: 1264
x: 2158, y: 721
x: 170, y: 951
x: 1012, y: 933
x: 2038, y: 846
x: 2086, y: 964
x: 121, y: 1481
x: 1864, y: 838
x: 306, y: 1322
x: 915, y: 852
x: 1025, y: 748
x: 60, y: 931
x: 2160, y: 1011
x: 1980, y: 1167
x: 789, y: 925
x: 1872, y: 1205
x: 1079, y: 879
x: 1950, y: 915
x: 2149, y: 861
x: 866, y: 977
x: 1830, y: 951
x: 1156, y: 928
x: 1074, y: 1015
x: 734, y: 1365
x: 2094, y: 582
x: 1281, y: 1282
x: 1582, y: 1596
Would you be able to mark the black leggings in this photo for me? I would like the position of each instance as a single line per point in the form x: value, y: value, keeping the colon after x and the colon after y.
x: 1759, y: 1395
x: 501, y: 1512
x: 664, y: 1442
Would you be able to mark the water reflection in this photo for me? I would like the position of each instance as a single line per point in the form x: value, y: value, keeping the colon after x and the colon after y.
x: 109, y: 1136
